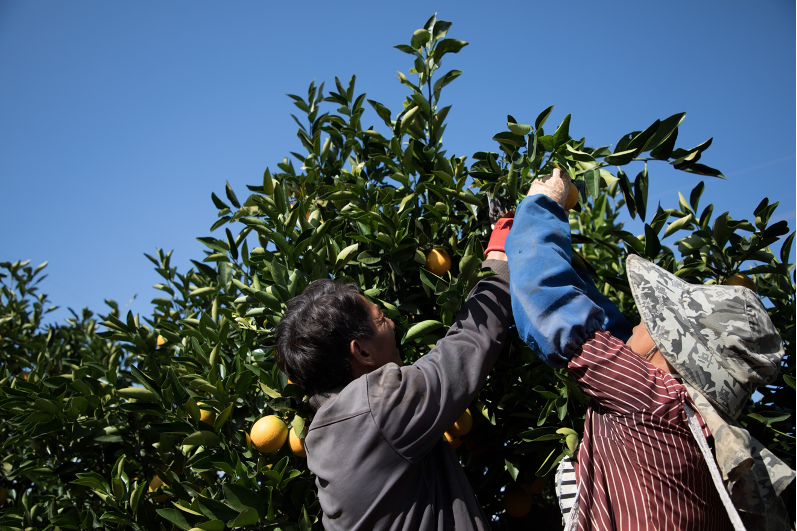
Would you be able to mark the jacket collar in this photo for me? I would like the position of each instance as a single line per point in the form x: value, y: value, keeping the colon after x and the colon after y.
x: 318, y: 400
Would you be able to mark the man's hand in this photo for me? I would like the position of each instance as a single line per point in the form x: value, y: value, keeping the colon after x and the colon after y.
x: 555, y: 186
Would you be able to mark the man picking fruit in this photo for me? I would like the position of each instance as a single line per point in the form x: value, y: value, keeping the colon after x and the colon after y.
x: 683, y: 376
x: 376, y: 443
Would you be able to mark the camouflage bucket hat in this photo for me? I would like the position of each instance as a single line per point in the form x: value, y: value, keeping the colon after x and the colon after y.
x: 719, y: 338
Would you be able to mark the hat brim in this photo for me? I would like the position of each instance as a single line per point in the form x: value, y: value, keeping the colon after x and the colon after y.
x: 659, y: 296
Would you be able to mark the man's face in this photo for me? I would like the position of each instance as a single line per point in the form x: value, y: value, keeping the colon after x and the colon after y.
x: 382, y: 346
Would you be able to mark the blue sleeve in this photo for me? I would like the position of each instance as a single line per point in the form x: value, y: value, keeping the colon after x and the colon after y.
x: 553, y: 313
x: 615, y: 322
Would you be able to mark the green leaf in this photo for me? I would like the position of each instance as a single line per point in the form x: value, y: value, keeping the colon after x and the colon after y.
x: 240, y: 498
x: 139, y: 394
x: 694, y: 197
x: 420, y: 330
x: 298, y: 426
x: 592, y: 178
x: 202, y: 438
x: 447, y: 46
x: 222, y: 418
x: 211, y: 525
x: 664, y: 131
x: 176, y: 517
x: 789, y: 379
x: 513, y: 471
x: 562, y: 133
x: 641, y: 192
x: 679, y: 224
x: 447, y: 78
x: 720, y: 231
x: 519, y: 129
x: 625, y: 187
x: 420, y: 38
x: 135, y: 496
x: 247, y: 517
x: 542, y: 118
x: 785, y: 250
x: 231, y: 196
x: 652, y: 244
x: 178, y: 390
x: 345, y: 255
x: 221, y: 205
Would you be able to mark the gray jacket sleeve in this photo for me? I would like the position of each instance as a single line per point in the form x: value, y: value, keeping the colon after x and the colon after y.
x: 413, y: 406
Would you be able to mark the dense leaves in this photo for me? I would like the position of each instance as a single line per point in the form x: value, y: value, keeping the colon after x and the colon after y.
x: 102, y: 419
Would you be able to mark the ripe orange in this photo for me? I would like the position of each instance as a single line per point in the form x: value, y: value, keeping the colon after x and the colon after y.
x: 517, y: 501
x: 538, y: 485
x: 161, y: 340
x: 572, y: 196
x: 463, y: 425
x: 452, y: 440
x: 438, y: 261
x: 297, y: 444
x: 741, y: 280
x: 269, y: 434
x: 154, y: 485
x: 206, y: 416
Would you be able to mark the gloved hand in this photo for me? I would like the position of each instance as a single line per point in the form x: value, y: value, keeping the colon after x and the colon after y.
x: 556, y: 186
x: 500, y: 232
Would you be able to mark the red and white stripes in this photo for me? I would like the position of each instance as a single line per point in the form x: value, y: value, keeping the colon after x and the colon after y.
x: 639, y: 466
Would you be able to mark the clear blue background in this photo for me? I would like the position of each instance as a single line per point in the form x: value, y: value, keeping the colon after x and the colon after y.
x: 118, y: 119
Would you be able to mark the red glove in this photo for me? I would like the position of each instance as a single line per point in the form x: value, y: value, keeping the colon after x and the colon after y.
x: 500, y: 232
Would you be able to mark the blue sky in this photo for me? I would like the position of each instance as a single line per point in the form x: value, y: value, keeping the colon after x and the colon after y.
x: 118, y: 119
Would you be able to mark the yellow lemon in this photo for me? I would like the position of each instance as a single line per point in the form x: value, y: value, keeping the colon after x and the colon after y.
x: 268, y: 434
x: 438, y: 261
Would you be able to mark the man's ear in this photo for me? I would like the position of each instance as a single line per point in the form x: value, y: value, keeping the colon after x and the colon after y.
x: 361, y: 360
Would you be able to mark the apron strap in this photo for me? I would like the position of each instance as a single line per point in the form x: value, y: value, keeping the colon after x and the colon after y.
x: 697, y: 432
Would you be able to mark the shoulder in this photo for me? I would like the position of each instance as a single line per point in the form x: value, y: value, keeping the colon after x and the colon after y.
x: 352, y: 401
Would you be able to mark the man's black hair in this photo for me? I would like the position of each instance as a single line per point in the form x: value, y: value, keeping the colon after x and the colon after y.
x: 314, y: 334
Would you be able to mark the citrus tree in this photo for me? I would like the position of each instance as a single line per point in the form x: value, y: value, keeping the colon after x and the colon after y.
x: 149, y: 423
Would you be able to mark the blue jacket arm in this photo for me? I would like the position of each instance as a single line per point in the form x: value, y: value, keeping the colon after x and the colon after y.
x: 553, y: 313
x: 615, y: 322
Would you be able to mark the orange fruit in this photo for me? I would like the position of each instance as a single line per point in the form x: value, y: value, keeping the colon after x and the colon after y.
x: 438, y: 261
x: 572, y: 196
x: 463, y: 425
x: 161, y: 340
x: 452, y: 440
x: 538, y: 485
x: 206, y: 416
x: 154, y: 485
x: 741, y: 280
x: 517, y: 501
x: 269, y: 434
x: 297, y: 444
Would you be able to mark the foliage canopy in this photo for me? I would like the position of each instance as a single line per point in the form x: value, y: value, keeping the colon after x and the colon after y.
x: 93, y: 409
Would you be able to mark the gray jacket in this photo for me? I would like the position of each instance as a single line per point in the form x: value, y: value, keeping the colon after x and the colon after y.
x: 377, y: 446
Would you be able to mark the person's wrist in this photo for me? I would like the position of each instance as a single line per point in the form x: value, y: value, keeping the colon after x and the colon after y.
x: 496, y: 255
